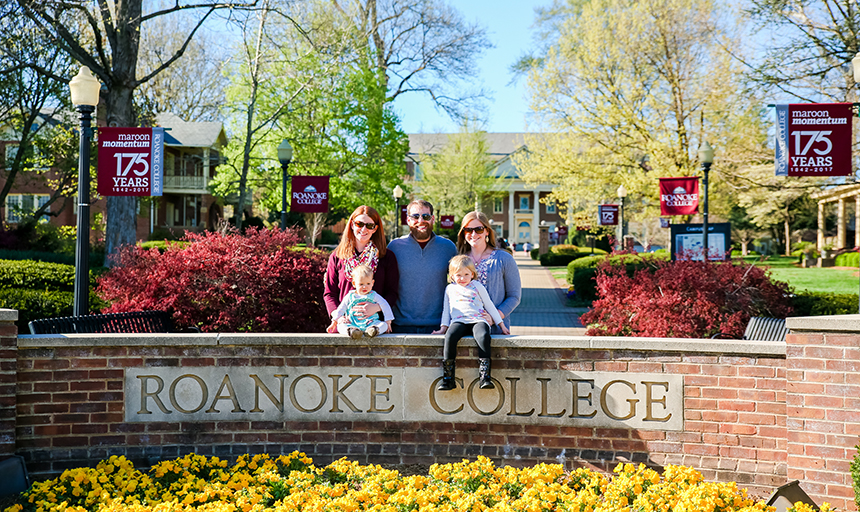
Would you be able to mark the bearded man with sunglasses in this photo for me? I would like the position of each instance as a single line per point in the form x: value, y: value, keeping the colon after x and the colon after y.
x: 422, y: 261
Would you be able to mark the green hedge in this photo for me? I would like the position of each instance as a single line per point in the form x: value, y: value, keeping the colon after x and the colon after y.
x: 848, y: 259
x: 553, y: 259
x: 37, y: 275
x: 822, y: 303
x: 581, y: 271
x: 35, y: 304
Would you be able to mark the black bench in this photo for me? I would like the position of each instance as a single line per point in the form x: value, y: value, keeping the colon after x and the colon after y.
x: 761, y: 328
x: 121, y: 323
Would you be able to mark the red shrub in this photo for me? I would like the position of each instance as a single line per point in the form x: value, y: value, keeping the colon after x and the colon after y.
x: 225, y: 282
x: 683, y: 299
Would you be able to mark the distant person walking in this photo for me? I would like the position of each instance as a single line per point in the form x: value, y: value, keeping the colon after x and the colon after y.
x: 422, y: 262
x: 362, y: 243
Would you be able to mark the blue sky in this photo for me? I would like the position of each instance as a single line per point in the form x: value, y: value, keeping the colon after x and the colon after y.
x: 508, y: 24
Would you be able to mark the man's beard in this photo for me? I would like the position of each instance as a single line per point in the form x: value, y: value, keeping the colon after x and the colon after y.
x: 419, y: 234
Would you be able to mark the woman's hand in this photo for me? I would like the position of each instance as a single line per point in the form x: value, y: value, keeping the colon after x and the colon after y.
x: 441, y: 330
x: 504, y: 329
x: 487, y: 317
x: 367, y: 309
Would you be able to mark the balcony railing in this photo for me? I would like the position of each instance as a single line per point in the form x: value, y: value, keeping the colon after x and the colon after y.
x: 185, y: 182
x: 528, y: 211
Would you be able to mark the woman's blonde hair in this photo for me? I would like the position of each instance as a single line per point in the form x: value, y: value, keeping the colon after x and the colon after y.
x: 460, y: 262
x: 346, y: 247
x: 462, y: 245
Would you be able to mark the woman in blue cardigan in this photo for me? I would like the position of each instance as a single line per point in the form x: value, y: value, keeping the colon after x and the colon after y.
x: 497, y: 269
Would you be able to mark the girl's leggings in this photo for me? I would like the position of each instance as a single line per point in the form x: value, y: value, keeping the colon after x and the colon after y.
x: 481, y: 332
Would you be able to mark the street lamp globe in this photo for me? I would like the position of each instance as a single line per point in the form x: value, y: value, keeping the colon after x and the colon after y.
x: 855, y: 63
x: 84, y: 88
x: 398, y: 192
x: 706, y: 153
x: 622, y: 192
x: 285, y: 152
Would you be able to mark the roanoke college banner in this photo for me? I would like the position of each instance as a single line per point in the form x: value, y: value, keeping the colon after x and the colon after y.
x: 310, y: 194
x: 131, y: 161
x: 813, y: 139
x: 679, y: 196
x: 607, y: 214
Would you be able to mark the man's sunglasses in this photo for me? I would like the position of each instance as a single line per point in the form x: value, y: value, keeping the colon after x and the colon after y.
x: 416, y: 216
x: 369, y: 225
x: 478, y: 230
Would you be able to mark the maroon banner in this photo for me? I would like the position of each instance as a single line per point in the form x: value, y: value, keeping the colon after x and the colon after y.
x: 403, y: 215
x: 814, y: 139
x: 130, y: 161
x: 446, y: 221
x: 679, y: 196
x: 607, y: 214
x: 310, y: 194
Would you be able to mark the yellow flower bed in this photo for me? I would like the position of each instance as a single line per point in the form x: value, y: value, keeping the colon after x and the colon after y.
x: 293, y: 483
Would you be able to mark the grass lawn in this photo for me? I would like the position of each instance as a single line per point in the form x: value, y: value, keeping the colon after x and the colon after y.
x: 786, y: 269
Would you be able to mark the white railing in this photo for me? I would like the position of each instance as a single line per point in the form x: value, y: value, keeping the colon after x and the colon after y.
x: 185, y: 182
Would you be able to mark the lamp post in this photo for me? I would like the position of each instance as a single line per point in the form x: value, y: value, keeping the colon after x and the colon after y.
x: 84, y: 90
x: 622, y: 193
x: 706, y: 157
x: 285, y: 155
x: 398, y: 193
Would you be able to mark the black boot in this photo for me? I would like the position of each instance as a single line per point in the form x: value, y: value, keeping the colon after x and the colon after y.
x: 484, y: 373
x: 447, y: 383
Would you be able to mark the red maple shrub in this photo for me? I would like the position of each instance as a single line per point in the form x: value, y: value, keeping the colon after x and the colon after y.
x: 259, y: 281
x: 683, y: 299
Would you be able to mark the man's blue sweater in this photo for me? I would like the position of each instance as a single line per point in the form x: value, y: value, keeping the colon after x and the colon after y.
x: 423, y: 277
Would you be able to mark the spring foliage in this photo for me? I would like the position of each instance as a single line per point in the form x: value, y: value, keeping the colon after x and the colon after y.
x: 683, y: 299
x: 293, y: 483
x: 224, y: 282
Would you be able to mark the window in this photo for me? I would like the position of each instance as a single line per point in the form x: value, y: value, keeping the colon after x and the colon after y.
x: 11, y: 151
x: 19, y: 205
x: 497, y: 205
x: 550, y: 207
x: 524, y: 202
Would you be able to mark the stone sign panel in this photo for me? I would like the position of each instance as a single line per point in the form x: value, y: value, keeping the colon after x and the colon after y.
x: 556, y: 397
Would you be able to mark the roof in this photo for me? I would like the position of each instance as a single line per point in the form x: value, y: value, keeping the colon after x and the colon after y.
x: 500, y: 144
x: 194, y: 135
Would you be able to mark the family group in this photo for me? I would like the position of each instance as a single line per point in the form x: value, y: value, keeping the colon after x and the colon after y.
x: 422, y: 283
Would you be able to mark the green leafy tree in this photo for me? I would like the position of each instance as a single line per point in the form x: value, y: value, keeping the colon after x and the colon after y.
x: 329, y: 121
x: 626, y: 93
x: 105, y: 36
x: 458, y: 179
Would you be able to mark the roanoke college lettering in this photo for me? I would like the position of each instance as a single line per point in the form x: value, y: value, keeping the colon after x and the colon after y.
x: 598, y: 399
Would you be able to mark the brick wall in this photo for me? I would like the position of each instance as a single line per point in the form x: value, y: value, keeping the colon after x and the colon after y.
x: 757, y: 413
x: 823, y: 406
x: 8, y: 376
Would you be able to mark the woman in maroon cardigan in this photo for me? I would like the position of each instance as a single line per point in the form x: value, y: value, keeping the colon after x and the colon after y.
x: 363, y: 243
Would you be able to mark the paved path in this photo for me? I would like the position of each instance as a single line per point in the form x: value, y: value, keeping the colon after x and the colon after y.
x: 542, y: 310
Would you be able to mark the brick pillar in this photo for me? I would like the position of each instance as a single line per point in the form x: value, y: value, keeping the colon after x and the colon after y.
x: 8, y: 379
x: 823, y: 405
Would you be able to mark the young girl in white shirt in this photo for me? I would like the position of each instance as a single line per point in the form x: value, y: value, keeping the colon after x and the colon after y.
x: 466, y: 300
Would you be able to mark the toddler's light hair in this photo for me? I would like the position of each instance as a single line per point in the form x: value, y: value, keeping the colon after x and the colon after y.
x: 460, y: 262
x: 361, y: 271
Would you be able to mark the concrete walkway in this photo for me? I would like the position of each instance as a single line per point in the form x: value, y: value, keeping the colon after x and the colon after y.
x: 542, y: 310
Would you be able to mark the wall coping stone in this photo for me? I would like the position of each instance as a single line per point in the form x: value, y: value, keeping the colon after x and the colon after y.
x: 685, y: 345
x: 8, y: 315
x: 832, y: 323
